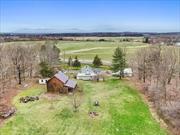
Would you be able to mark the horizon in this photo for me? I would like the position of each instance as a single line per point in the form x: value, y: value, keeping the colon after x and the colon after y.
x: 89, y: 16
x: 54, y: 33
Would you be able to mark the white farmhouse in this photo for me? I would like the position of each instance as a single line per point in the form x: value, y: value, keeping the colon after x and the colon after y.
x: 86, y: 73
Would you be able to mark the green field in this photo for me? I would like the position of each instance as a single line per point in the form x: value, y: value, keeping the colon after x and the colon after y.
x: 86, y: 50
x: 121, y: 112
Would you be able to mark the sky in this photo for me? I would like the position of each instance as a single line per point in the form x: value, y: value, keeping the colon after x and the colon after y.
x: 89, y: 16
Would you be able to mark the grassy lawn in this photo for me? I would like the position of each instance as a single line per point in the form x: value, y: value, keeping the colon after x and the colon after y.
x: 121, y: 112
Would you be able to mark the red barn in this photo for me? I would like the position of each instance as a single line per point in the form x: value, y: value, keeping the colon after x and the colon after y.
x: 61, y: 83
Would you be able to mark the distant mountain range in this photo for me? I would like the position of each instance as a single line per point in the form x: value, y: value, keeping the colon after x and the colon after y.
x: 79, y: 32
x: 42, y: 30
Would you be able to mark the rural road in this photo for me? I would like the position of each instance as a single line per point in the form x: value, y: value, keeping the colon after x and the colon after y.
x: 84, y: 50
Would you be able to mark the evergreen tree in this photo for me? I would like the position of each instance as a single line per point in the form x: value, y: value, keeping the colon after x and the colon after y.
x: 45, y: 71
x: 119, y: 61
x: 146, y: 40
x: 70, y: 61
x: 97, y: 61
x: 76, y: 62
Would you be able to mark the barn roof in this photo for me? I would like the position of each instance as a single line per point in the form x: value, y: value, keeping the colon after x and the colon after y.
x: 71, y: 84
x: 61, y: 76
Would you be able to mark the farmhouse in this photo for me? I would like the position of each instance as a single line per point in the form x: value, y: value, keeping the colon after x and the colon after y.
x: 61, y: 83
x: 86, y: 73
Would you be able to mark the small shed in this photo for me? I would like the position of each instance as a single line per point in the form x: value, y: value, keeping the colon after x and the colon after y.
x: 61, y: 83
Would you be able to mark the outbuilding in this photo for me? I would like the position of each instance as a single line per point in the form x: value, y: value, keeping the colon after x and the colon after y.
x: 61, y: 83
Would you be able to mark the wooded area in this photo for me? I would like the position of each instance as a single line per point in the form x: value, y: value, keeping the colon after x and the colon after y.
x: 159, y: 69
x: 21, y: 62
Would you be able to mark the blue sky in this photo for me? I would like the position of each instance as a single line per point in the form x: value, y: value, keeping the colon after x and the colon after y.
x: 90, y: 15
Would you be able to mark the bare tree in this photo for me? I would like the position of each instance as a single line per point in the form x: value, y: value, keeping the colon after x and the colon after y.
x: 49, y: 53
x: 18, y: 60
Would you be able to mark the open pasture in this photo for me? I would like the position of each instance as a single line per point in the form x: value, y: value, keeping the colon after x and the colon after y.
x: 121, y: 112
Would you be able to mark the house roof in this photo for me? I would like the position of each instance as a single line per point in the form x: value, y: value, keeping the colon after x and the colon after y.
x: 87, y: 70
x: 71, y: 83
x: 97, y: 70
x: 62, y: 77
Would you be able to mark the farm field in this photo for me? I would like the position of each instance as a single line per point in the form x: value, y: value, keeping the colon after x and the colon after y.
x: 121, y: 112
x: 86, y: 50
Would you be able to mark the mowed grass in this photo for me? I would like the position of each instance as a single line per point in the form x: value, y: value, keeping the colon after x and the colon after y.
x: 121, y: 112
x: 86, y: 50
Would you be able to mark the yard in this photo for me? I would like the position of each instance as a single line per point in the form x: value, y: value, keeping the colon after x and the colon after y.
x: 121, y: 112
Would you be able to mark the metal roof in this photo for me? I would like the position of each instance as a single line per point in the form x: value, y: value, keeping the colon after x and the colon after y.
x: 87, y: 70
x: 71, y: 83
x: 61, y: 76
